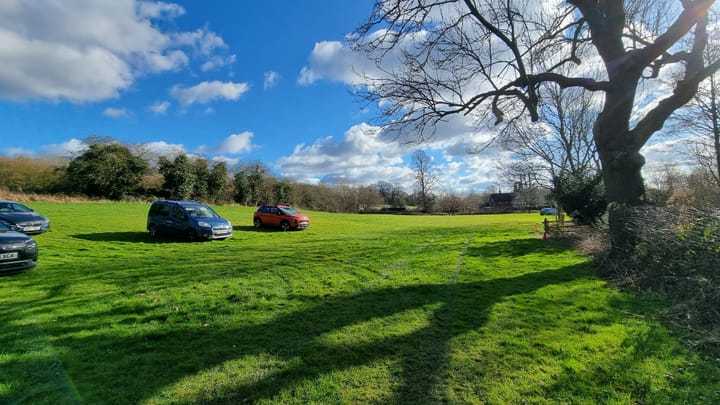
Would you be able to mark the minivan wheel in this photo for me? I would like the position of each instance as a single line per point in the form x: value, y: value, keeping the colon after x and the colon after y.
x: 153, y: 230
x: 285, y: 226
x: 257, y: 222
x: 191, y: 235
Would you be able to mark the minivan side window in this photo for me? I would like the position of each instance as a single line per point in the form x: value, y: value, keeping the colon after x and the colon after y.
x: 160, y: 210
x: 179, y: 213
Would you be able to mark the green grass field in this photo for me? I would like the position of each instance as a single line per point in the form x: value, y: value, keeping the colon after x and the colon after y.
x: 356, y: 309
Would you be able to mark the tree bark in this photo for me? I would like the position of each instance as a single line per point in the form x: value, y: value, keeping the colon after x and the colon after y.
x: 621, y: 160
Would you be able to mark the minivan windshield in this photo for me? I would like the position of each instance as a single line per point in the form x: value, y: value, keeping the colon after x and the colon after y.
x: 201, y: 212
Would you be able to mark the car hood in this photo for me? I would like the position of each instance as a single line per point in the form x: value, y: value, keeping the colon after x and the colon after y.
x: 13, y: 237
x: 215, y: 222
x: 19, y: 217
x: 299, y: 217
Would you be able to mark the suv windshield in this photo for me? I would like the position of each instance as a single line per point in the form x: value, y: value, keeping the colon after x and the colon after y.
x: 289, y: 210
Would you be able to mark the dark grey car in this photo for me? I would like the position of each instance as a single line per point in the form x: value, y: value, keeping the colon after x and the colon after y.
x: 187, y: 219
x: 18, y: 251
x: 22, y: 218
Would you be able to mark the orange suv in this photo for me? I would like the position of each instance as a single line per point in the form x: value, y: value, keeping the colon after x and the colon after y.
x: 283, y: 216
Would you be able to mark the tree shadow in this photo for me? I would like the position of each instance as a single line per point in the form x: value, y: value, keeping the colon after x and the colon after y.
x: 130, y: 237
x: 297, y: 340
x: 520, y: 247
x: 164, y: 350
x: 250, y: 228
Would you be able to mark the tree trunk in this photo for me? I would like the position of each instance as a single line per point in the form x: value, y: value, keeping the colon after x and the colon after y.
x: 621, y: 161
x: 625, y: 190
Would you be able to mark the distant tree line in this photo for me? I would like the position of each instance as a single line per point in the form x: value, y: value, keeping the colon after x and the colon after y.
x: 113, y: 171
x: 110, y: 170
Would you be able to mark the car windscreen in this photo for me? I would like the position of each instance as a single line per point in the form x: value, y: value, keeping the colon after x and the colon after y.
x: 201, y: 212
x: 13, y: 207
x: 289, y: 210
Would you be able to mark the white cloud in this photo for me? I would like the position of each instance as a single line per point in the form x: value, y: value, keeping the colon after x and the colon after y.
x: 202, y: 41
x: 331, y: 60
x: 87, y: 50
x: 216, y: 62
x: 271, y: 79
x: 236, y: 144
x: 674, y: 151
x: 116, y: 113
x: 162, y: 148
x: 359, y: 156
x: 160, y: 107
x: 16, y: 151
x: 71, y: 148
x: 207, y: 92
x: 159, y: 10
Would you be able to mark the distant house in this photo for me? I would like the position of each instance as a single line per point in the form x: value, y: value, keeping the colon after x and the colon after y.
x: 500, y: 200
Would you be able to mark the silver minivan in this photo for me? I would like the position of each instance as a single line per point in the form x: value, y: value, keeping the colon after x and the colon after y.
x: 191, y: 220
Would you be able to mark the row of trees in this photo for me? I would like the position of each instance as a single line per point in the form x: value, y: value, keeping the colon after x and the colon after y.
x: 111, y: 170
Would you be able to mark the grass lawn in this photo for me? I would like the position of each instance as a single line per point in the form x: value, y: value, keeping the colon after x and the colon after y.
x: 356, y: 309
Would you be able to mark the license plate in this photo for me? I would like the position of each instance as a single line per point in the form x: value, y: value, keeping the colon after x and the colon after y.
x: 8, y: 256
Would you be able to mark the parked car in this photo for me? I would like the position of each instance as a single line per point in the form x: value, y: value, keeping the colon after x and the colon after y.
x: 22, y: 218
x: 283, y: 216
x: 548, y: 211
x: 187, y: 219
x: 18, y: 252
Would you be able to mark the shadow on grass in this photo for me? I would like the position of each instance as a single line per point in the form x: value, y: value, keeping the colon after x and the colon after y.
x: 246, y: 228
x: 520, y: 247
x: 296, y: 339
x: 158, y: 355
x: 132, y: 237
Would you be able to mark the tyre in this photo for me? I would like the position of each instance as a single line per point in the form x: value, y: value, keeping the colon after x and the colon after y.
x: 285, y: 226
x: 153, y: 230
x: 191, y: 235
x: 257, y: 222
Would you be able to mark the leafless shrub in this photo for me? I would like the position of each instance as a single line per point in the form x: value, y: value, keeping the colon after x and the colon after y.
x: 676, y: 257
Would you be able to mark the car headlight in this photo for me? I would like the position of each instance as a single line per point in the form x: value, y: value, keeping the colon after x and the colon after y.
x: 204, y: 224
x: 30, y: 244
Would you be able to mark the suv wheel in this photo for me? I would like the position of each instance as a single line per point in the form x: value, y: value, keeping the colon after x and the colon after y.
x: 153, y: 230
x: 285, y: 225
x: 191, y: 235
x: 257, y: 222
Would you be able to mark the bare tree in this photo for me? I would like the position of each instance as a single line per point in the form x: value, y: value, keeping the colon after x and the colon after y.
x: 450, y: 203
x: 368, y: 198
x: 426, y: 178
x: 702, y: 114
x: 480, y: 57
x: 703, y: 117
x: 562, y: 139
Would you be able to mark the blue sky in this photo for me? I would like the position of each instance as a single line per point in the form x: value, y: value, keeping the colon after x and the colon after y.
x: 236, y: 80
